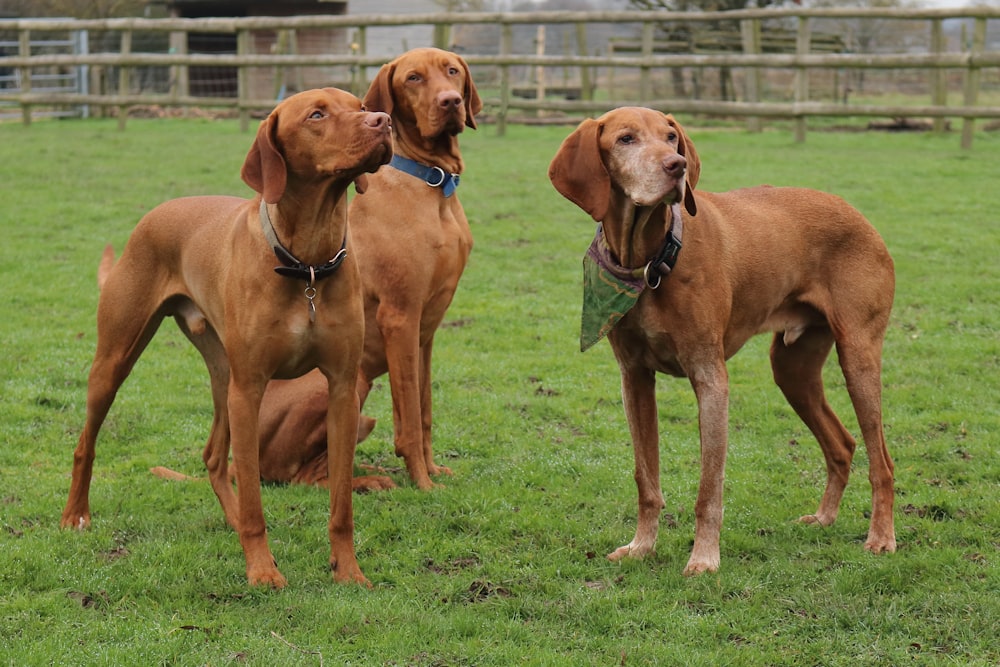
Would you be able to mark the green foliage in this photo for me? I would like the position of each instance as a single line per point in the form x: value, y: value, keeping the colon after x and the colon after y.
x: 504, y: 564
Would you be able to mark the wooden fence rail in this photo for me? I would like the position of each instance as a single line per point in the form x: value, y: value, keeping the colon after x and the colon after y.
x: 973, y: 56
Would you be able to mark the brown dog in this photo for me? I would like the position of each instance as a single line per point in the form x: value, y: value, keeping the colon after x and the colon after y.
x: 796, y: 262
x: 210, y: 262
x: 412, y: 241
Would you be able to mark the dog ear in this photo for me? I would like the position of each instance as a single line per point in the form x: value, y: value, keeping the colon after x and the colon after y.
x: 686, y: 148
x: 361, y: 184
x: 264, y: 168
x: 379, y: 95
x: 473, y: 104
x: 578, y: 172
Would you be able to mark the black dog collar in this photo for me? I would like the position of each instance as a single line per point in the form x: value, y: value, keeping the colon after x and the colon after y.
x: 291, y: 266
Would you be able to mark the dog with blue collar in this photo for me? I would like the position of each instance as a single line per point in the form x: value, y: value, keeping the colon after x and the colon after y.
x: 412, y: 240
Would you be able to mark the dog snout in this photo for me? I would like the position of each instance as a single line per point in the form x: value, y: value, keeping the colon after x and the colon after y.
x: 674, y: 165
x: 377, y: 120
x: 449, y: 100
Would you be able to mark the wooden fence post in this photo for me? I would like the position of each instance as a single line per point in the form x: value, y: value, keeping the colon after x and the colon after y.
x: 442, y: 36
x: 750, y: 33
x: 243, y: 80
x: 972, y: 77
x: 540, y: 69
x: 123, y: 78
x: 24, y: 50
x: 180, y: 82
x: 647, y: 51
x: 280, y: 47
x: 359, y: 78
x: 506, y: 42
x: 939, y: 78
x: 586, y: 87
x: 802, y: 40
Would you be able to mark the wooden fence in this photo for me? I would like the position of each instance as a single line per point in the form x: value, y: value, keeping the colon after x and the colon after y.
x: 936, y: 63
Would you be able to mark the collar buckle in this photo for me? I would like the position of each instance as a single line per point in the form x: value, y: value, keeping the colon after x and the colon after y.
x: 663, y: 263
x: 439, y: 173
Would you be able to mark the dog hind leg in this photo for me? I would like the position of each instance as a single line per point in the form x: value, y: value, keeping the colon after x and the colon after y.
x: 861, y: 361
x: 122, y: 335
x: 798, y: 372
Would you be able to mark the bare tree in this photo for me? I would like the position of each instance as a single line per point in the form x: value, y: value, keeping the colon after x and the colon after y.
x: 463, y: 5
x: 681, y: 34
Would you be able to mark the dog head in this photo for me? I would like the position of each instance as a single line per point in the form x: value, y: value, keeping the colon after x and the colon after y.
x: 316, y: 134
x: 642, y: 153
x: 428, y: 88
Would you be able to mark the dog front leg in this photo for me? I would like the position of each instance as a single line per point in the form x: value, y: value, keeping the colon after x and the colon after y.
x: 244, y: 408
x: 639, y: 397
x: 342, y: 415
x: 122, y: 335
x: 401, y: 335
x: 426, y: 410
x: 711, y: 387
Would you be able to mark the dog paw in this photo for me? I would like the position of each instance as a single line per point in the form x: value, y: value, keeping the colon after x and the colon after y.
x: 694, y: 568
x: 881, y: 545
x: 815, y: 519
x: 630, y: 550
x: 439, y: 470
x: 75, y: 522
x: 368, y: 483
x: 349, y: 575
x: 425, y: 484
x: 269, y: 577
x: 704, y: 558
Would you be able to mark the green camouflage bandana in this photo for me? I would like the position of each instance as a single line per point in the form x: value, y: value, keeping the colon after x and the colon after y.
x: 611, y: 290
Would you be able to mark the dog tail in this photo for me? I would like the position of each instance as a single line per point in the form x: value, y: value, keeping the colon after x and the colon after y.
x: 107, y: 261
x: 173, y: 475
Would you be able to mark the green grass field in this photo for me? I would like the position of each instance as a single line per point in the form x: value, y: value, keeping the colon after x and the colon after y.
x: 505, y: 564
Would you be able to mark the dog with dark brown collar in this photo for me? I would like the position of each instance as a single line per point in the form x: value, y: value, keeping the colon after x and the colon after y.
x: 801, y: 264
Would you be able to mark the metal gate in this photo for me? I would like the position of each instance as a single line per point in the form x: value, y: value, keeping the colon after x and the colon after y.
x: 49, y: 79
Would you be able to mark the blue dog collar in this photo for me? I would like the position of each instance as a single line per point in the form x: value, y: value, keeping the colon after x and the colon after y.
x: 436, y: 177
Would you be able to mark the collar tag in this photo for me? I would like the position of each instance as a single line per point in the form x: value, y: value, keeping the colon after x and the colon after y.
x: 292, y: 267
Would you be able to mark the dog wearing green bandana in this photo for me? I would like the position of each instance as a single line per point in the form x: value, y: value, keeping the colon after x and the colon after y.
x: 679, y: 280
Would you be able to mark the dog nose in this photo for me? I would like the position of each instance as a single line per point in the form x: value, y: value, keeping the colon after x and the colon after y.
x: 674, y: 165
x: 450, y: 99
x: 377, y: 120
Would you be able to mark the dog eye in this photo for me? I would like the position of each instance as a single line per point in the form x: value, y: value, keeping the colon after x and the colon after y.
x: 672, y: 137
x: 316, y: 115
x: 415, y: 78
x: 453, y: 71
x: 626, y: 139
